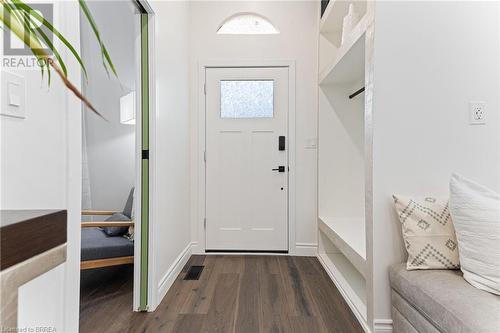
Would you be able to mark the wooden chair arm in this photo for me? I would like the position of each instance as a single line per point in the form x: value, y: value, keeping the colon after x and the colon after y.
x: 89, y: 264
x: 93, y: 224
x: 98, y: 212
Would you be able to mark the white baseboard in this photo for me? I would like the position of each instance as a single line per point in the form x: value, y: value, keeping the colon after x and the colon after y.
x: 382, y: 326
x: 174, y: 270
x: 196, y: 248
x: 306, y: 249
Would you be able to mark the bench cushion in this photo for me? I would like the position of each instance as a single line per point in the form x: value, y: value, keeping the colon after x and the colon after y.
x: 97, y: 245
x: 413, y: 318
x: 446, y: 300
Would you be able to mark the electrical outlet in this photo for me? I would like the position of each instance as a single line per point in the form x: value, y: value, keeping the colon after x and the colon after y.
x: 477, y: 113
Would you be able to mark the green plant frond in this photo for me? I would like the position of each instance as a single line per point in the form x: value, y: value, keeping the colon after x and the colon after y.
x: 18, y: 15
x: 106, y: 59
x: 15, y: 18
x: 20, y: 18
x: 32, y: 13
x: 49, y: 76
x: 42, y: 70
x: 17, y: 26
x: 56, y: 53
x: 22, y: 30
x: 48, y: 43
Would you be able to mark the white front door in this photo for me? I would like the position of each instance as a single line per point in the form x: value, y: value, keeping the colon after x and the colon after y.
x: 246, y: 160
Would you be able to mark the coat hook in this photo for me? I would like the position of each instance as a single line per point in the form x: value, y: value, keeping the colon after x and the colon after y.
x: 356, y: 93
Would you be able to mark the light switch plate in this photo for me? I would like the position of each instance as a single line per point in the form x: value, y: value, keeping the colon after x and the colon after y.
x: 13, y: 102
x: 311, y: 143
x: 13, y: 90
x: 477, y: 113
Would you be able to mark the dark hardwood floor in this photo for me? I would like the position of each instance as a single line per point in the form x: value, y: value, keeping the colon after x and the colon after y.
x: 234, y: 294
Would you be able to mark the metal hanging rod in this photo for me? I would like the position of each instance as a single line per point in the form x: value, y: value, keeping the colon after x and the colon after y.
x: 356, y: 93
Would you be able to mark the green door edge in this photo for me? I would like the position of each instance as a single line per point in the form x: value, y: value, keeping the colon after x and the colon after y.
x: 143, y: 302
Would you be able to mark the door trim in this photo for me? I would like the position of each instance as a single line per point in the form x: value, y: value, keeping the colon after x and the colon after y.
x: 199, y: 230
x: 143, y: 291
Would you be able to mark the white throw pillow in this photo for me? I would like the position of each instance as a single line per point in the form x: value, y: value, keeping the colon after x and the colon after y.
x: 476, y: 214
x: 428, y: 233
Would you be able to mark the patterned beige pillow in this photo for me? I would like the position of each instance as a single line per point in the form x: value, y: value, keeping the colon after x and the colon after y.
x: 428, y: 233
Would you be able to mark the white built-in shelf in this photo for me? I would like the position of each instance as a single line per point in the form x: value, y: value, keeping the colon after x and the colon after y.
x: 348, y: 62
x: 349, y: 236
x: 350, y: 283
x: 332, y: 19
x: 342, y: 243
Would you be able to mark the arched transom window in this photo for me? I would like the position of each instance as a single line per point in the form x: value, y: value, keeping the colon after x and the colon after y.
x: 247, y: 24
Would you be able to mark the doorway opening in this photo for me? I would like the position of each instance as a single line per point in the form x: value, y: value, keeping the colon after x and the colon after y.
x: 115, y: 161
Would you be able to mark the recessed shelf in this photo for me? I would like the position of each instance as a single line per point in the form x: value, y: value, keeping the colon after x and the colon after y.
x: 348, y: 63
x: 332, y: 20
x: 348, y: 280
x: 348, y: 235
x: 333, y: 17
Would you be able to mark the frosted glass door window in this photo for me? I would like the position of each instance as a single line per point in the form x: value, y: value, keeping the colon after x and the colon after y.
x: 247, y: 99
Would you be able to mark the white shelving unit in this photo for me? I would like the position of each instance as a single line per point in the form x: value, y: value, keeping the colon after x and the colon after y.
x: 344, y: 180
x: 343, y: 233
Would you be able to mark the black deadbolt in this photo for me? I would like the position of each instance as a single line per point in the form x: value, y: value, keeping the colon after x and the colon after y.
x: 281, y: 142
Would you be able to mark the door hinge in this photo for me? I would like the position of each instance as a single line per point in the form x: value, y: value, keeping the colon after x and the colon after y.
x: 205, y: 88
x: 205, y: 156
x: 205, y: 223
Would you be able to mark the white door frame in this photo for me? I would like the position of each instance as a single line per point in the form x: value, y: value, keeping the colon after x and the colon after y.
x: 199, y: 243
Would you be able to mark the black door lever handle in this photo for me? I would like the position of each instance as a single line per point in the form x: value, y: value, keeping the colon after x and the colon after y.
x: 281, y: 168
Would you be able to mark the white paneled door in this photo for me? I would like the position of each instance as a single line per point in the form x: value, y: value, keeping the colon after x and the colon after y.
x: 247, y: 159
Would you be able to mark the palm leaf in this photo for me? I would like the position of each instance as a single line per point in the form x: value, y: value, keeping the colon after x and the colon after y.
x: 104, y: 52
x: 49, y: 44
x: 19, y: 19
x: 22, y: 6
x: 22, y: 31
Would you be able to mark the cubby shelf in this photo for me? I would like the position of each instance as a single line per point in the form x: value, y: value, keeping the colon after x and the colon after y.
x: 331, y: 21
x: 348, y: 235
x: 348, y: 280
x: 348, y: 63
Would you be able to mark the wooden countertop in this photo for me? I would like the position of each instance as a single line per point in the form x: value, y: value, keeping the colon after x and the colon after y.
x: 27, y: 233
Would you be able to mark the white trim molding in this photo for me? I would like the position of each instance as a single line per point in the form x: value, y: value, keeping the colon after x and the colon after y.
x: 306, y: 249
x: 382, y: 326
x: 169, y: 278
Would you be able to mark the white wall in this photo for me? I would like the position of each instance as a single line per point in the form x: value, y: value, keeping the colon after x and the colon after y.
x: 170, y: 235
x: 110, y: 144
x: 33, y: 150
x: 298, y: 41
x: 34, y: 310
x: 40, y: 169
x: 431, y: 59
